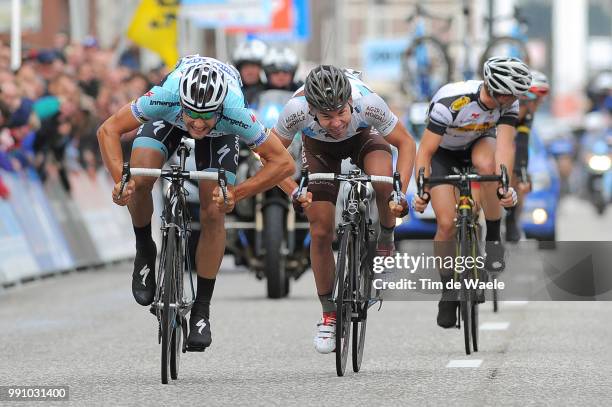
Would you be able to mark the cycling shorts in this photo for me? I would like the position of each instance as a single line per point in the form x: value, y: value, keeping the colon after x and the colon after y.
x: 321, y: 156
x: 211, y: 153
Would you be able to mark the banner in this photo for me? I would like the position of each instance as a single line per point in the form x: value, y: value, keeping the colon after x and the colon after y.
x: 281, y: 20
x: 298, y: 12
x: 228, y: 13
x: 16, y: 259
x: 154, y: 27
x: 72, y: 224
x: 31, y: 208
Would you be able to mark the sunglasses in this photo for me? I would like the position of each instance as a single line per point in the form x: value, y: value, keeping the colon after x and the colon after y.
x: 197, y: 115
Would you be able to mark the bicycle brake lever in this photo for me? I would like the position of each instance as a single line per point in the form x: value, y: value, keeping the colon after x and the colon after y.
x: 125, y: 177
x: 222, y: 180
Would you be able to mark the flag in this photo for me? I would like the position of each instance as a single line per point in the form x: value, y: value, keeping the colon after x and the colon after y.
x: 154, y: 27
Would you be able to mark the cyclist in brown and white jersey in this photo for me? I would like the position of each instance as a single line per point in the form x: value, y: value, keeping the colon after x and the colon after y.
x: 474, y: 123
x: 340, y: 117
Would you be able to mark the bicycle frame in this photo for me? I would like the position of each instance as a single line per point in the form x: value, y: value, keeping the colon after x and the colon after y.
x: 176, y: 219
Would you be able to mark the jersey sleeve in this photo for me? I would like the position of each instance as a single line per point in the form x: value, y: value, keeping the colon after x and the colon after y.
x: 242, y: 121
x: 377, y: 114
x: 439, y: 118
x: 154, y: 104
x: 292, y: 118
x: 510, y: 115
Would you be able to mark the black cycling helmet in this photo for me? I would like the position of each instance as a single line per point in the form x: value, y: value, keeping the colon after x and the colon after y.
x: 327, y: 88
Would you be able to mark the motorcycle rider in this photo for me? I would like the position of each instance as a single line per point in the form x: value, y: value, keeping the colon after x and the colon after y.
x: 248, y: 59
x: 528, y: 105
x: 280, y: 66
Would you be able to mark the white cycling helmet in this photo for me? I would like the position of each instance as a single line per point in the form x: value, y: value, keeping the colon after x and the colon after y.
x: 507, y: 76
x: 249, y: 52
x: 203, y: 88
x: 280, y: 60
x: 539, y: 83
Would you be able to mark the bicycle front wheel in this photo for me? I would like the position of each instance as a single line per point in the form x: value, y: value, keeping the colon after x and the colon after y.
x: 363, y: 293
x: 343, y: 299
x: 168, y: 317
x: 178, y: 321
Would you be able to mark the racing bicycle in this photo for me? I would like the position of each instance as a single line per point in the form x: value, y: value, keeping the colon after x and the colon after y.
x: 467, y: 243
x: 171, y: 304
x: 352, y: 291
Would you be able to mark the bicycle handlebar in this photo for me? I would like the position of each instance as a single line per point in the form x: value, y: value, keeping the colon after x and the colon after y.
x: 156, y: 172
x: 218, y: 176
x: 330, y: 176
x: 455, y: 179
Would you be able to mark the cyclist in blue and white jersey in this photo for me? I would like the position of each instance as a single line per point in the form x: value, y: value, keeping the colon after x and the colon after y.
x: 200, y: 99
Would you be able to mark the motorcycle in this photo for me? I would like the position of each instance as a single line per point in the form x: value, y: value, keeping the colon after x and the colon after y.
x: 597, y: 160
x: 264, y: 233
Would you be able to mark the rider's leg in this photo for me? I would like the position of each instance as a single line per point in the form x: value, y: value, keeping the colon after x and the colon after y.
x: 443, y: 204
x: 154, y: 143
x: 323, y: 157
x: 375, y: 158
x: 141, y: 210
x: 321, y: 216
x: 211, y: 244
x: 443, y: 201
x: 483, y: 160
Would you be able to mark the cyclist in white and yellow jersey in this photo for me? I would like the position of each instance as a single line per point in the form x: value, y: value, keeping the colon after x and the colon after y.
x: 474, y: 123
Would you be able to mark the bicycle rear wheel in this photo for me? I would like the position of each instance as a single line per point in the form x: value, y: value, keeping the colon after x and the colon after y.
x: 363, y: 293
x: 343, y: 296
x: 465, y: 300
x: 168, y: 315
x: 505, y: 46
x: 495, y: 304
x: 426, y: 67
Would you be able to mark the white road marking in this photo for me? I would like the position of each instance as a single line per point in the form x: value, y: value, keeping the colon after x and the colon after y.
x: 494, y: 326
x: 514, y: 303
x: 464, y: 363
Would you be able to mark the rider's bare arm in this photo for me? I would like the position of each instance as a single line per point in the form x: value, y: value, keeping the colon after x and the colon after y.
x: 427, y: 148
x: 108, y: 137
x: 278, y: 165
x: 406, y: 147
x: 504, y: 152
x: 287, y: 184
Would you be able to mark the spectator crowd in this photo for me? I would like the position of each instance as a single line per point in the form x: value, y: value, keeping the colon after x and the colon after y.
x: 52, y: 105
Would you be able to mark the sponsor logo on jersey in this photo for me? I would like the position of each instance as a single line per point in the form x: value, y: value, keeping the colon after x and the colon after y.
x: 476, y: 127
x: 475, y: 115
x: 460, y: 103
x: 137, y: 112
x: 253, y: 119
x: 309, y: 132
x: 294, y: 119
x: 235, y: 122
x: 375, y: 113
x: 149, y: 94
x: 162, y: 103
x: 260, y: 139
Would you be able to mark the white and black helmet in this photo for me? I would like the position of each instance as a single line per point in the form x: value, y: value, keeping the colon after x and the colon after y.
x: 203, y: 88
x: 252, y: 52
x: 280, y: 60
x: 507, y: 76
